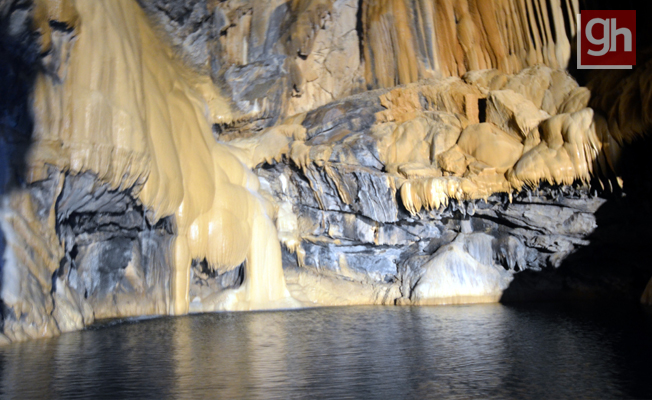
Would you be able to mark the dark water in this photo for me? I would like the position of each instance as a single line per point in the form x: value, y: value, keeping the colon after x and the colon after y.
x: 484, y: 351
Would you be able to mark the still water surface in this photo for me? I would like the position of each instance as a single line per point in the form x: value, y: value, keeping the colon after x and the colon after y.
x: 546, y: 351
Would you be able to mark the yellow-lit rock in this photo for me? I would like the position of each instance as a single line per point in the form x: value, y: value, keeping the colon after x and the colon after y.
x: 490, y: 145
x: 473, y: 100
x: 142, y: 120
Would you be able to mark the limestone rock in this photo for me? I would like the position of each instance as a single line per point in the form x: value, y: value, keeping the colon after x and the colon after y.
x: 462, y: 165
x: 532, y: 83
x: 513, y: 113
x: 462, y: 271
x: 453, y: 160
x: 358, y: 189
x: 187, y: 24
x: 341, y: 237
x: 447, y: 131
x: 490, y: 145
x: 451, y: 38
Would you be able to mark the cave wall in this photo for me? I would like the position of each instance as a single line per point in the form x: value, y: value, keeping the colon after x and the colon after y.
x: 380, y: 152
x: 101, y: 260
x: 323, y: 50
x: 382, y: 204
x: 402, y: 42
x: 125, y: 121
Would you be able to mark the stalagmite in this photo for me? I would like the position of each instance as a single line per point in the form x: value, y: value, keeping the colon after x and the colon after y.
x: 456, y: 275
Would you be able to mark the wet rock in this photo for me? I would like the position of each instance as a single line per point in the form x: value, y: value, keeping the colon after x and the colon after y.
x: 360, y: 263
x: 257, y: 89
x: 352, y: 114
x: 107, y: 261
x: 461, y: 271
x: 338, y: 187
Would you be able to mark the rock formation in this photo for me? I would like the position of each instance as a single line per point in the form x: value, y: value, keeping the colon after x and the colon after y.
x: 416, y: 202
x: 166, y: 157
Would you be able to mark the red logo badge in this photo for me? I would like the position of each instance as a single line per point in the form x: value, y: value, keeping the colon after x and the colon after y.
x: 606, y: 39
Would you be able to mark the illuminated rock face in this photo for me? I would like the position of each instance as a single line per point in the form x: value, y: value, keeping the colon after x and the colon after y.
x: 273, y: 58
x: 410, y: 40
x: 410, y: 199
x: 128, y: 121
x: 166, y: 157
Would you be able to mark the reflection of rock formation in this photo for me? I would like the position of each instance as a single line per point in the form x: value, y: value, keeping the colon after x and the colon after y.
x: 345, y: 353
x: 439, y: 190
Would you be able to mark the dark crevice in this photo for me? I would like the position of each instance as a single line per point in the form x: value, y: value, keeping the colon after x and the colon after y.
x: 567, y: 20
x: 500, y: 221
x: 530, y: 28
x: 482, y: 110
x: 615, y: 263
x: 61, y: 26
x: 536, y: 18
x: 73, y: 252
x: 205, y: 274
x: 359, y: 27
x: 552, y: 28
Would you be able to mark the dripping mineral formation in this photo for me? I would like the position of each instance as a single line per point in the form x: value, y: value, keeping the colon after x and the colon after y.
x: 165, y: 157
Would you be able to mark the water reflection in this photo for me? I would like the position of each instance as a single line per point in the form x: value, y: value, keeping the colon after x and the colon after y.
x: 489, y: 351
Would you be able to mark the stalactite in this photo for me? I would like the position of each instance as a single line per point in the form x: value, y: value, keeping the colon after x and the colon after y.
x: 142, y: 120
x: 471, y: 35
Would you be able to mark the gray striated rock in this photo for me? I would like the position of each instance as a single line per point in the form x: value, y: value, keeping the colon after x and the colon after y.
x: 360, y: 263
x: 351, y: 114
x: 188, y: 24
x: 256, y: 89
x: 274, y: 58
x: 353, y: 189
x: 112, y: 261
x: 114, y: 258
x: 352, y: 226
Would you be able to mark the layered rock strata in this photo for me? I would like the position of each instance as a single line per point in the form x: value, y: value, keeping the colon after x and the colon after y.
x: 234, y: 155
x: 410, y: 199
